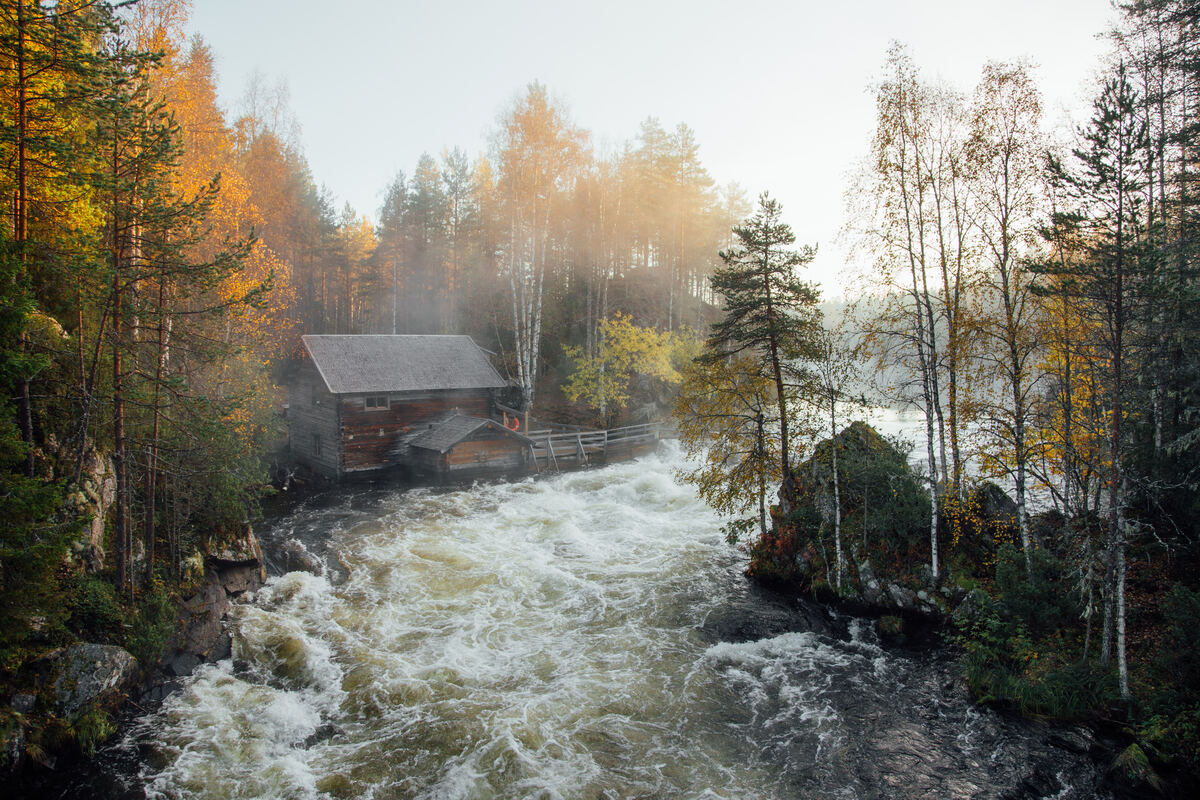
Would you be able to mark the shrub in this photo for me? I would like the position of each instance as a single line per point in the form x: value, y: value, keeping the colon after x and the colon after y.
x: 91, y: 728
x: 93, y: 613
x: 1043, y: 604
x: 152, y: 626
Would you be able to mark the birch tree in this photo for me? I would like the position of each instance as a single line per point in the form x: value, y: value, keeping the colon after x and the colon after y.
x: 897, y: 195
x: 834, y: 370
x: 1006, y: 156
x: 538, y: 155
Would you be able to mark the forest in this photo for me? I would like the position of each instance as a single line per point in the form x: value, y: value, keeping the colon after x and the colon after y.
x: 1032, y: 299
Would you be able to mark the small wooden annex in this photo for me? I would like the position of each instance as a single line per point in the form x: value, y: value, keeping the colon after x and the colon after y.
x: 459, y: 447
x: 359, y: 404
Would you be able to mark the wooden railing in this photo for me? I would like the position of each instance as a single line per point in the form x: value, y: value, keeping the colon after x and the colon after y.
x: 555, y: 450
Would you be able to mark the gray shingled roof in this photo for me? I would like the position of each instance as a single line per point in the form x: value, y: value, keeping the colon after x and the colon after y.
x: 446, y: 433
x: 356, y: 364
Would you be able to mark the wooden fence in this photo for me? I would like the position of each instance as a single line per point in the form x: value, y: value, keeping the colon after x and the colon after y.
x: 558, y: 450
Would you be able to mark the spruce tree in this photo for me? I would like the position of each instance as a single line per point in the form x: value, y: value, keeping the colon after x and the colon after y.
x: 1105, y: 183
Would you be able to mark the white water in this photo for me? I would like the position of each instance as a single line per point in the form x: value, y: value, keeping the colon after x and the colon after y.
x: 586, y: 636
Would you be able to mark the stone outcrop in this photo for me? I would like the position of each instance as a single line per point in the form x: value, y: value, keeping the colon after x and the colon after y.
x: 233, y: 566
x: 96, y: 492
x: 87, y: 674
x: 884, y: 527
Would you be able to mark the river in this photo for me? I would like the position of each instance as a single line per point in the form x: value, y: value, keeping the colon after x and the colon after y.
x: 588, y: 635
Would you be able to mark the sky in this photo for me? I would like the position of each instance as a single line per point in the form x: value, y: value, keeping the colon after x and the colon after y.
x: 778, y: 93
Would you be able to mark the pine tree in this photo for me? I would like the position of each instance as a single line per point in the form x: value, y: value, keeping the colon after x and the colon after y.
x: 770, y: 314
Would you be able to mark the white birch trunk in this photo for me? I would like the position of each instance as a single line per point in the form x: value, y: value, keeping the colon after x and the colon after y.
x: 837, y: 498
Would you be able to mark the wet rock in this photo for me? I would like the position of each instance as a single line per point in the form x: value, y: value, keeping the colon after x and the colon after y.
x: 182, y: 664
x: 23, y: 703
x: 1077, y: 740
x: 90, y: 673
x: 297, y: 558
x: 157, y: 692
x: 323, y: 733
x: 237, y: 547
x: 240, y: 578
x: 1037, y: 784
x: 12, y: 747
x: 903, y: 597
x: 233, y: 567
x: 201, y: 615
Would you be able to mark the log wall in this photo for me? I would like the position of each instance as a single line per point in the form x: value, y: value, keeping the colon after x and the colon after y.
x: 314, y: 430
x: 368, y: 434
x: 490, y: 450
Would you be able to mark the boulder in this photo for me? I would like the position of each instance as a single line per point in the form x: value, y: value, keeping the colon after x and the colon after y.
x: 1078, y: 739
x: 872, y: 590
x: 979, y: 524
x: 903, y: 597
x: 297, y: 558
x: 199, y: 633
x: 991, y: 503
x: 238, y: 579
x: 90, y: 673
x: 234, y: 547
x: 970, y: 607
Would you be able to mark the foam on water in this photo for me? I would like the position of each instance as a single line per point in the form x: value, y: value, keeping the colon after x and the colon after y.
x: 539, y: 639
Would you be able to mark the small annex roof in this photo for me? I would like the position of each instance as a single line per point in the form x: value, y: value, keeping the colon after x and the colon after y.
x: 445, y: 433
x: 354, y: 364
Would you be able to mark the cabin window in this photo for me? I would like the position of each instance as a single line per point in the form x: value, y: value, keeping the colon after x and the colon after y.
x: 316, y: 444
x: 376, y: 402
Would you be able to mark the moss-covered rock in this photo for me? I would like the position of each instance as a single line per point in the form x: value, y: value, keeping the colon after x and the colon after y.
x: 884, y: 514
x: 90, y: 674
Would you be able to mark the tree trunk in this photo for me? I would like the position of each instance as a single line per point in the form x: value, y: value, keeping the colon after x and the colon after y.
x: 837, y: 497
x: 120, y: 468
x: 1122, y: 665
x: 152, y: 447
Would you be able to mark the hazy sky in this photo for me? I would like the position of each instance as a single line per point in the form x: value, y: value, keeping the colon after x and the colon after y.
x: 778, y: 93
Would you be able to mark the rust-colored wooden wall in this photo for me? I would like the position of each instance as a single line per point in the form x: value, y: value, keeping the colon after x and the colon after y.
x: 368, y: 435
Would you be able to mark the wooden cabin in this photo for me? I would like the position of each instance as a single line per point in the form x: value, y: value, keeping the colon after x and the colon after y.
x: 459, y: 447
x: 364, y: 403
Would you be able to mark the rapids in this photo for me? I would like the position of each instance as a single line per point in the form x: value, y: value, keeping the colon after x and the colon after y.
x: 588, y: 635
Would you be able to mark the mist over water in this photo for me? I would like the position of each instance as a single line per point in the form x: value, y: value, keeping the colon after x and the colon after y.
x: 583, y: 636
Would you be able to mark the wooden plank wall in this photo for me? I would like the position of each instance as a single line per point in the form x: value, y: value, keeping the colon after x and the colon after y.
x: 369, y: 435
x: 490, y: 450
x: 313, y: 410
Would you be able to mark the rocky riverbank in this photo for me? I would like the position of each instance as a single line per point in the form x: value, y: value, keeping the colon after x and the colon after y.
x: 854, y: 534
x: 68, y: 700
